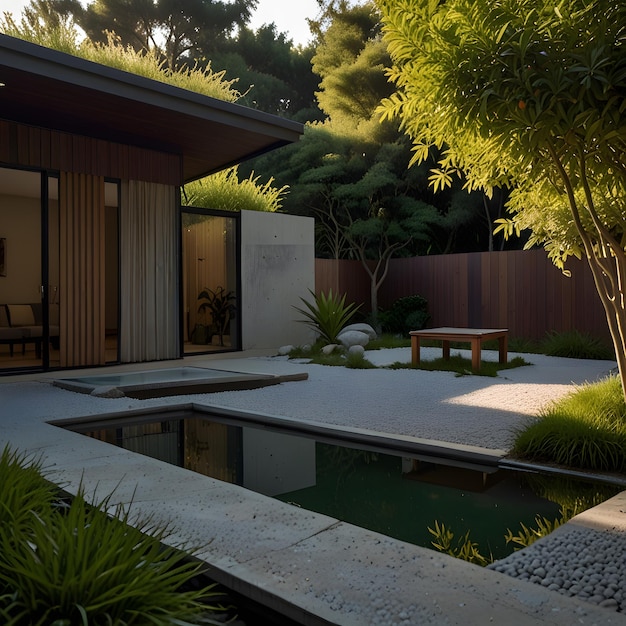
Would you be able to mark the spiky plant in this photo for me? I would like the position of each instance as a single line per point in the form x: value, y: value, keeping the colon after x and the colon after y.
x: 327, y: 314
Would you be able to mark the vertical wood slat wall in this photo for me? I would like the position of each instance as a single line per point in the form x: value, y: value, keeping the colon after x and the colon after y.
x: 30, y: 146
x: 82, y: 270
x: 519, y: 290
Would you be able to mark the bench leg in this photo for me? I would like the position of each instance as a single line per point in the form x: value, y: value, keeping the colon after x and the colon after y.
x: 476, y: 354
x: 446, y: 350
x: 503, y: 348
x: 415, y: 350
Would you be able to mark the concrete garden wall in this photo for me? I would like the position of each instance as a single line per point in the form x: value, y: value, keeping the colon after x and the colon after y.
x: 277, y: 268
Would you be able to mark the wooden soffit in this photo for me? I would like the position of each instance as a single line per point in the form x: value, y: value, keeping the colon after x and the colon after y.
x: 54, y: 90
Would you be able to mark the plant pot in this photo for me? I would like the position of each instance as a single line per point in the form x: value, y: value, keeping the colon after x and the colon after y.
x: 200, y: 335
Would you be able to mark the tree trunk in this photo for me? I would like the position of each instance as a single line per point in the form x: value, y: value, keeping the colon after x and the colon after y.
x: 606, y: 276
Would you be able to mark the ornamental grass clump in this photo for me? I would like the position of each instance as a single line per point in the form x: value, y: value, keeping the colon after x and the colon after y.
x: 24, y: 492
x: 576, y: 345
x: 328, y: 314
x: 76, y: 565
x: 584, y: 430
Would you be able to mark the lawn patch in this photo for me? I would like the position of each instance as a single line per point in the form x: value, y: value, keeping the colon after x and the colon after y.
x: 461, y: 366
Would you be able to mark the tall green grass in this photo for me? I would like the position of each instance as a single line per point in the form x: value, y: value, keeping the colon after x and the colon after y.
x: 584, y: 430
x: 76, y: 565
x: 65, y: 37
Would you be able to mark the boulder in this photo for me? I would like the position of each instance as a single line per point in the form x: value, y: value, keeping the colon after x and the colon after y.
x: 330, y: 348
x: 351, y: 338
x: 284, y: 350
x: 356, y: 350
x: 362, y: 328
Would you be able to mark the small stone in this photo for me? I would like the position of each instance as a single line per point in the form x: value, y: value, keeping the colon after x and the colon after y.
x: 330, y: 348
x: 107, y: 392
x: 357, y: 350
x: 609, y: 603
x: 353, y: 338
x: 284, y: 350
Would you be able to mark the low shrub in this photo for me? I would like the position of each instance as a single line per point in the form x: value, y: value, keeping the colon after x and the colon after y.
x: 406, y: 314
x: 576, y: 345
x: 24, y: 492
x: 584, y: 430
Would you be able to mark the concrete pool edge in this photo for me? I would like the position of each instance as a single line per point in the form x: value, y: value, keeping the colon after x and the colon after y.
x: 312, y: 568
x: 381, y: 441
x: 205, y: 380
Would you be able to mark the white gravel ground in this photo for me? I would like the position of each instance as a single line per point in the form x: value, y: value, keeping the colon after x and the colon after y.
x: 473, y: 410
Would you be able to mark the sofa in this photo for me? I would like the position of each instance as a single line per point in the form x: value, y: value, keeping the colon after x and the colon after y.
x: 23, y: 323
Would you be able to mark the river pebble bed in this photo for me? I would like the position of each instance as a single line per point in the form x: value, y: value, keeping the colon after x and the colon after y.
x: 586, y: 563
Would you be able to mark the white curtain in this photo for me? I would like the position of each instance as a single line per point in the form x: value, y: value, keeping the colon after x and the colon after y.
x: 149, y: 325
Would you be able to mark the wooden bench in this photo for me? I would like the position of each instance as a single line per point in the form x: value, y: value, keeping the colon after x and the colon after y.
x: 474, y: 336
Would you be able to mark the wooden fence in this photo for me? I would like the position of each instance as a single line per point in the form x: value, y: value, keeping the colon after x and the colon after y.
x: 518, y: 290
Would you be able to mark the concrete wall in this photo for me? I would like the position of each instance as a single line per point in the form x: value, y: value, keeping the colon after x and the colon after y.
x: 277, y: 268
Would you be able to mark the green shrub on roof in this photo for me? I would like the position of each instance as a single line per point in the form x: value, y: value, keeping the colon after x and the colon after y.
x: 65, y: 37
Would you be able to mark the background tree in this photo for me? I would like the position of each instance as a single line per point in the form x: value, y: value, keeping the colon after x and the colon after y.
x: 180, y: 31
x: 529, y: 95
x: 273, y: 75
x: 350, y: 172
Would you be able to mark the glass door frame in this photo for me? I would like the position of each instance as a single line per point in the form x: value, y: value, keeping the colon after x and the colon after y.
x: 236, y: 217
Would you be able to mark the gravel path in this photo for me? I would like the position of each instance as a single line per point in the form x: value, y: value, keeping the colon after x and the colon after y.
x: 471, y: 410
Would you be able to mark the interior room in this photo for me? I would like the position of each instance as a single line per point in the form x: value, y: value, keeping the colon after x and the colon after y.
x: 30, y: 254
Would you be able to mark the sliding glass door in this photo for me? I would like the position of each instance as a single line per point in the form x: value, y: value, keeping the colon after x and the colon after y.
x: 21, y: 305
x: 210, y: 280
x: 41, y: 324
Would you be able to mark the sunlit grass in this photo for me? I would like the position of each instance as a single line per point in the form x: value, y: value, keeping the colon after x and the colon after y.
x: 584, y: 430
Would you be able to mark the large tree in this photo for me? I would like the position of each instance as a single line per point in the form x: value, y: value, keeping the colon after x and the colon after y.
x: 273, y: 75
x: 529, y: 95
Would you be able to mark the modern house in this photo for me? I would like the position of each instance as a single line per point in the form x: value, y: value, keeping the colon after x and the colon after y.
x: 99, y: 263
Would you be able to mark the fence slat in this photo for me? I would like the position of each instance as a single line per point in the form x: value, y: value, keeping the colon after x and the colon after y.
x: 519, y: 290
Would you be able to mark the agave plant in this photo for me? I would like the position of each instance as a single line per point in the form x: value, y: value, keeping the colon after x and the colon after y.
x: 328, y: 314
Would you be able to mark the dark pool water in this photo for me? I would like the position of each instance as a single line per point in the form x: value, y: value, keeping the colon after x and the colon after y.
x: 399, y: 494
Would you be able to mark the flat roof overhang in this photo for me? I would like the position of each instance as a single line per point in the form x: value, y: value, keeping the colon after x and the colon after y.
x: 57, y: 91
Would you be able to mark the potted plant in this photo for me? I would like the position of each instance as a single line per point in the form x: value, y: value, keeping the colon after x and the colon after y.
x: 220, y: 303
